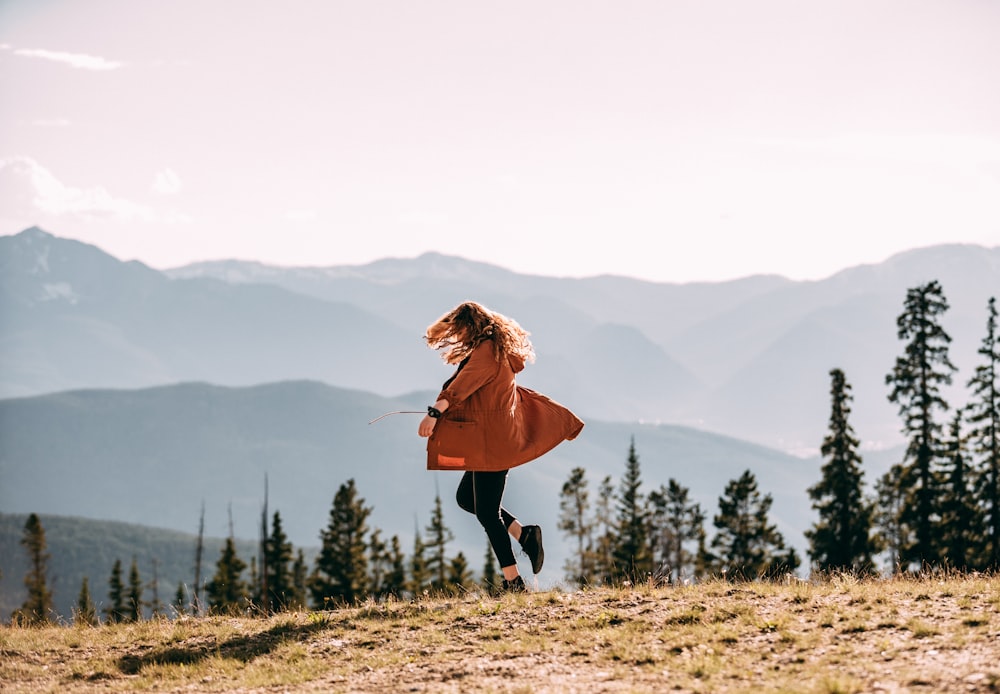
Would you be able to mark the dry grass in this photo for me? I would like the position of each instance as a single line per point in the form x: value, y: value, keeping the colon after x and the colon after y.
x: 843, y: 635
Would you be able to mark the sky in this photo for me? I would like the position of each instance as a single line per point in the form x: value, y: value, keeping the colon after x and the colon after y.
x: 668, y: 140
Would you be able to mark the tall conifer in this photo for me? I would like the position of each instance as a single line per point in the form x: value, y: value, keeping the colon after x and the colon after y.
x: 117, y: 610
x: 85, y: 613
x: 984, y: 437
x: 341, y: 571
x: 747, y: 544
x: 632, y: 559
x: 133, y: 599
x: 675, y: 523
x: 438, y: 537
x: 37, y: 608
x: 227, y: 591
x: 961, y: 518
x: 841, y: 540
x: 574, y: 521
x: 916, y: 380
x: 278, y: 553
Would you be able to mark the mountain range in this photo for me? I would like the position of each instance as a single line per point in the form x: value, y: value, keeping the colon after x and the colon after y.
x: 748, y: 358
x: 135, y: 395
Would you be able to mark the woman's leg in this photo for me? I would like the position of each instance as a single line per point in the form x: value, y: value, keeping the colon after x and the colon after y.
x: 481, y: 493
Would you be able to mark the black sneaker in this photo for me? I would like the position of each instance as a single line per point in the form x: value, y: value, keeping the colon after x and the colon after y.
x: 515, y: 586
x: 531, y: 543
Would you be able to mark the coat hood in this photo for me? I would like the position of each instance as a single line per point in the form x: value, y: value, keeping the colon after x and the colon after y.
x: 516, y: 363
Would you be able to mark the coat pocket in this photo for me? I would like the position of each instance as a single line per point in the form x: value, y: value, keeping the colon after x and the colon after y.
x: 458, y: 444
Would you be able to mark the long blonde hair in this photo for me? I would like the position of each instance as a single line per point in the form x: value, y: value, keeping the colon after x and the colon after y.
x: 465, y: 327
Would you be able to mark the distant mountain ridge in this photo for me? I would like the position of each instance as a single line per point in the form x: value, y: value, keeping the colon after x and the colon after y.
x: 748, y: 358
x: 154, y: 456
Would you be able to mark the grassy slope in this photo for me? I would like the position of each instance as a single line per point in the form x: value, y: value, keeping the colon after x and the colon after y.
x: 933, y: 634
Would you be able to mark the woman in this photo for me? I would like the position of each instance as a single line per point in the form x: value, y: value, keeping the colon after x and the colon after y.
x: 485, y: 424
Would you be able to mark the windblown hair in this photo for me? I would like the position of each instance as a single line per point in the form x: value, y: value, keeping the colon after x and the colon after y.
x: 469, y: 324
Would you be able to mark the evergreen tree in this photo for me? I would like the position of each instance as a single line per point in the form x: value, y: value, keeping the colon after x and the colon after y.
x: 459, y: 575
x: 37, y: 608
x: 155, y: 606
x: 607, y: 538
x: 420, y: 577
x: 278, y: 553
x: 85, y: 613
x: 300, y: 582
x: 199, y: 552
x: 984, y: 437
x: 748, y: 545
x: 574, y: 507
x: 133, y: 600
x: 632, y: 560
x: 916, y: 382
x: 378, y: 562
x: 395, y: 579
x: 842, y: 539
x: 491, y: 577
x: 892, y: 533
x: 341, y: 572
x: 961, y: 520
x: 227, y: 591
x: 675, y: 523
x: 438, y: 536
x: 117, y: 611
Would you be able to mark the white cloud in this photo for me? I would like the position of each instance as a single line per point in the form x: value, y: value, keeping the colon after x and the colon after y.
x: 167, y: 182
x: 26, y: 186
x: 80, y: 61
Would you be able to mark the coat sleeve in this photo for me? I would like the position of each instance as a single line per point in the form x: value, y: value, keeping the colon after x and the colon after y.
x: 481, y: 368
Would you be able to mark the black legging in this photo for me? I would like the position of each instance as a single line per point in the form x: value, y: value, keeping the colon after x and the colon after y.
x: 481, y: 493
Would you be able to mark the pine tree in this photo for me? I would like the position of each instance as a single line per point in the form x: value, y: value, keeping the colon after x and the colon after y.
x: 278, y: 553
x: 748, y: 545
x: 155, y: 606
x: 607, y: 538
x: 574, y: 508
x: 378, y: 561
x: 133, y: 600
x: 37, y: 608
x: 961, y: 519
x: 341, y: 571
x: 395, y: 579
x: 438, y: 537
x: 459, y: 575
x: 675, y: 522
x: 116, y: 610
x: 491, y: 577
x: 300, y: 582
x: 85, y: 613
x: 227, y: 591
x: 916, y: 382
x: 892, y: 533
x: 984, y: 437
x: 199, y: 552
x: 632, y: 560
x: 420, y: 577
x: 841, y: 540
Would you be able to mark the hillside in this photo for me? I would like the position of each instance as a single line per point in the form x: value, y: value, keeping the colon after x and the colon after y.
x: 939, y: 634
x: 84, y: 547
x: 746, y: 358
x: 153, y: 456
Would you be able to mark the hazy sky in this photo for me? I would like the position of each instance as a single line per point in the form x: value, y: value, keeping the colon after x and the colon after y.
x: 668, y: 140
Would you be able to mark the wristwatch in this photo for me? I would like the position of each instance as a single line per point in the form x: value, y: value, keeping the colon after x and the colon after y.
x: 433, y: 412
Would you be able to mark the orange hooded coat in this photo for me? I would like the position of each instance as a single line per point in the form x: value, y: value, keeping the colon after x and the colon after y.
x: 492, y: 423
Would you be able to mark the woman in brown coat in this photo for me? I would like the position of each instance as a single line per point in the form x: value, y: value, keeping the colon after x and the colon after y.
x: 484, y: 424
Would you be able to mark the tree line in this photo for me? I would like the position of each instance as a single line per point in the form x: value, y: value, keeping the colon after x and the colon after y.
x: 938, y: 507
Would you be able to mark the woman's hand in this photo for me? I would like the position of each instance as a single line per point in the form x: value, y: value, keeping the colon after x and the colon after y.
x: 426, y: 426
